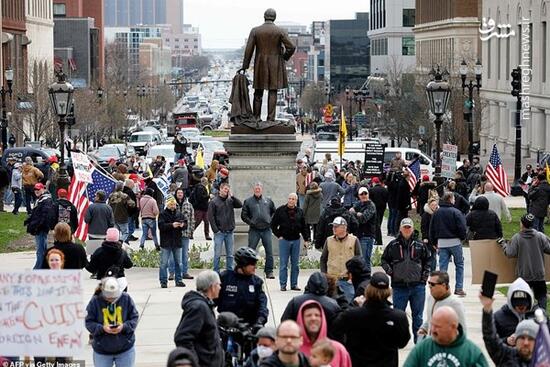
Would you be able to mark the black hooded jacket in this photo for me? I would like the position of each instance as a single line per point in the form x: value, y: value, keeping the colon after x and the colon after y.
x: 316, y: 290
x: 180, y: 354
x: 109, y: 254
x: 198, y: 330
x: 483, y: 222
x: 360, y: 274
x: 274, y: 361
x: 324, y: 229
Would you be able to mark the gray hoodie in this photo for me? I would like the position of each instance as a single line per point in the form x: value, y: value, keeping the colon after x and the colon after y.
x: 529, y: 247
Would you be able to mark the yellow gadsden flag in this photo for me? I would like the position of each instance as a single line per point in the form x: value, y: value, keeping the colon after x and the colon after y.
x: 343, y: 133
x: 547, y: 173
x: 199, y: 159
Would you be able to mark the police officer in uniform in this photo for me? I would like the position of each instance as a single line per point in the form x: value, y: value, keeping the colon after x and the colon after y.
x: 242, y: 291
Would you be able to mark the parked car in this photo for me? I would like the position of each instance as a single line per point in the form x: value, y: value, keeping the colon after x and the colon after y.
x: 107, y: 152
x: 39, y: 156
x: 165, y: 150
x: 126, y: 149
x: 143, y: 140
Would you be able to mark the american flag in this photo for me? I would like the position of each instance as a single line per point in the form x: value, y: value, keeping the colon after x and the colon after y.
x: 414, y: 173
x: 496, y: 174
x: 82, y: 194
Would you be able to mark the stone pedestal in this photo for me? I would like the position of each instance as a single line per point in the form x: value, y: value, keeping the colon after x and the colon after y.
x: 268, y: 158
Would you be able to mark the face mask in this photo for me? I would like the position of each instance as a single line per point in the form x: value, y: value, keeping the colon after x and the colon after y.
x: 264, y: 352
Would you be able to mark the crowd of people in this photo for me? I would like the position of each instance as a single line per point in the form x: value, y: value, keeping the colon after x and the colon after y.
x: 344, y: 316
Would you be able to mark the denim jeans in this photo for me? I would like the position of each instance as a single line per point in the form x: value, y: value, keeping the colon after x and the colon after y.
x: 184, y: 258
x: 538, y: 224
x: 41, y: 240
x: 289, y: 249
x: 18, y: 201
x: 131, y: 226
x: 29, y: 198
x: 123, y: 229
x: 366, y: 249
x: 416, y: 295
x: 254, y: 236
x: 445, y: 254
x: 8, y: 196
x: 124, y: 359
x: 167, y: 254
x: 392, y: 221
x: 347, y: 288
x: 301, y: 200
x: 227, y: 239
x: 145, y: 225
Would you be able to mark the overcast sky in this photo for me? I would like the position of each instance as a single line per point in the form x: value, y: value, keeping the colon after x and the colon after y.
x: 226, y: 23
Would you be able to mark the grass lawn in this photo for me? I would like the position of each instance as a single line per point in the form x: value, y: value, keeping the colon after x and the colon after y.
x: 12, y: 231
x: 217, y: 133
x: 509, y: 229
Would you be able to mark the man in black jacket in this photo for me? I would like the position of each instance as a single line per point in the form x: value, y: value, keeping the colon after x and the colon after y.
x: 221, y: 215
x: 407, y: 261
x: 379, y: 196
x: 180, y: 147
x: 324, y: 229
x: 257, y: 213
x: 316, y: 290
x: 171, y: 223
x: 198, y: 330
x: 65, y: 211
x: 287, y: 224
x: 539, y: 198
x: 199, y: 199
x: 365, y: 212
x: 501, y: 353
x: 289, y: 341
x: 133, y: 211
x: 40, y: 222
x: 448, y: 230
x: 374, y: 331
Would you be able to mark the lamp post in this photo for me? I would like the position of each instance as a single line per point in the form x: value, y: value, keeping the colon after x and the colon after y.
x: 61, y: 97
x: 8, y: 74
x: 438, y: 92
x: 516, y: 92
x: 469, y: 103
x: 349, y: 98
x: 141, y: 91
x: 329, y: 91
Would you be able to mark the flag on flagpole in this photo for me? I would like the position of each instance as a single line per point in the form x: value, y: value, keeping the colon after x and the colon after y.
x: 496, y: 174
x: 82, y: 195
x: 343, y: 133
x: 199, y: 159
x: 541, y: 353
x: 414, y: 173
x: 547, y: 173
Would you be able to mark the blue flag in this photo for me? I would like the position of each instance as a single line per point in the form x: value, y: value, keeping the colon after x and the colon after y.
x: 541, y: 354
x: 101, y: 182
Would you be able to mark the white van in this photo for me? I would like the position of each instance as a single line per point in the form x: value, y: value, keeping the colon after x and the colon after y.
x: 355, y: 150
x: 143, y: 140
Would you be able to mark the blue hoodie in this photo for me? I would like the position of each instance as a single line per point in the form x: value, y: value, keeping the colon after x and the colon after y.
x: 124, y: 312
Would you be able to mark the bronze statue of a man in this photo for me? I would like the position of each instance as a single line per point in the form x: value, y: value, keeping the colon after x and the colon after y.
x: 272, y: 48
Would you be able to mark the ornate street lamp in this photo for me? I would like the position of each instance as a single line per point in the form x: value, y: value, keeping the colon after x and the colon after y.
x: 469, y: 103
x: 61, y: 97
x: 8, y: 75
x: 438, y: 92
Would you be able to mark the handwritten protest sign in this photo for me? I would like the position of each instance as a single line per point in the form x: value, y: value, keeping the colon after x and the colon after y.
x: 81, y: 165
x: 448, y: 160
x: 41, y: 313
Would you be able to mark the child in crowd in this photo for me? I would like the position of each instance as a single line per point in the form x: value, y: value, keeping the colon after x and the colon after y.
x: 322, y: 353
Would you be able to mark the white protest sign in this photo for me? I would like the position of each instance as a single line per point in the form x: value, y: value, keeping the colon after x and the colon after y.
x: 81, y: 164
x: 448, y: 160
x: 42, y: 313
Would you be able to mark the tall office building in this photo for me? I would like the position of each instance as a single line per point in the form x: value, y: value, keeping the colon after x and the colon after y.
x: 129, y: 13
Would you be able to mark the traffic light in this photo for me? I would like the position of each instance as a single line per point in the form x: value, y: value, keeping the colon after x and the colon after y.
x: 516, y: 81
x: 70, y: 116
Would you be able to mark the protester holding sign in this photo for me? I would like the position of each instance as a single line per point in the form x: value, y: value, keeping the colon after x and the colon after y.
x: 112, y: 319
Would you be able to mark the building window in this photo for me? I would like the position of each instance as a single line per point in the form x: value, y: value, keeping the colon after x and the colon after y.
x: 176, y: 40
x: 408, y: 46
x: 408, y: 17
x: 59, y: 10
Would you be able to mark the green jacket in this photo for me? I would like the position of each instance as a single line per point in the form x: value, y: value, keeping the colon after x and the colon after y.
x: 462, y: 352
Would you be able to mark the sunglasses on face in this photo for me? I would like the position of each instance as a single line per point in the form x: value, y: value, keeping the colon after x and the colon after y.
x: 432, y: 284
x: 363, y: 194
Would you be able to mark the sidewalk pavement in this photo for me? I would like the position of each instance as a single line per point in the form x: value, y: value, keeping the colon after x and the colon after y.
x: 160, y: 309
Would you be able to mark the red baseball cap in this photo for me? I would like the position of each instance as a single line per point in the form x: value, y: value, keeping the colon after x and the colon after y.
x: 425, y: 178
x: 375, y: 180
x: 52, y: 159
x: 224, y: 171
x: 62, y: 193
x: 39, y: 186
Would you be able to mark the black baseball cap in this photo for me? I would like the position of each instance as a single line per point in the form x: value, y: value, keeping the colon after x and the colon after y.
x: 527, y: 220
x: 380, y: 280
